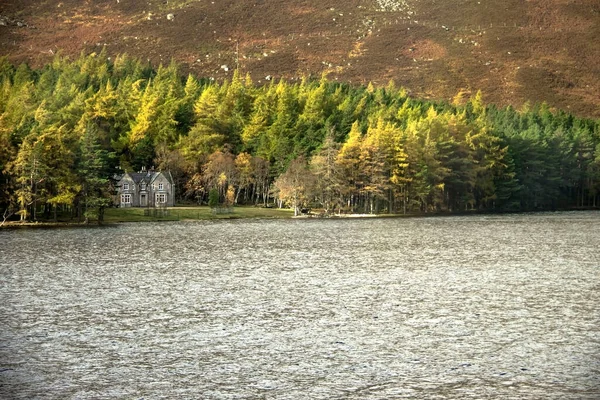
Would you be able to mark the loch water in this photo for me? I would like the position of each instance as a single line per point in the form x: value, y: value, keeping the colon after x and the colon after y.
x: 464, y: 307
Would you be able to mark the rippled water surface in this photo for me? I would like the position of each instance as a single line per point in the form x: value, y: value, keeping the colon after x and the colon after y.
x: 458, y: 307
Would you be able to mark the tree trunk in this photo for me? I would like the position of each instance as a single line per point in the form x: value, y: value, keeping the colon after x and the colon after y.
x: 100, y: 215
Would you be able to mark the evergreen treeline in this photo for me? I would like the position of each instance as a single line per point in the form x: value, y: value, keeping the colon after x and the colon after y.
x: 67, y: 128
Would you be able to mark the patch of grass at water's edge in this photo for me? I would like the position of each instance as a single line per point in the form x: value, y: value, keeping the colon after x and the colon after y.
x: 114, y: 215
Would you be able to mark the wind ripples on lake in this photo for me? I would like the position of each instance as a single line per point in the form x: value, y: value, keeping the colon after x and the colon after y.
x: 456, y: 307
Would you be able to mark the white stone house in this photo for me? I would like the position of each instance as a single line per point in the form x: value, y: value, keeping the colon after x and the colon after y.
x: 147, y: 188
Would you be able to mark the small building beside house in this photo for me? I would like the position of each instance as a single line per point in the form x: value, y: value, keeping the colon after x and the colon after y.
x: 147, y: 188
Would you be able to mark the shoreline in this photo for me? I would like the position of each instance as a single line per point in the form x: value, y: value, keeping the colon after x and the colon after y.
x: 188, y: 214
x: 53, y: 225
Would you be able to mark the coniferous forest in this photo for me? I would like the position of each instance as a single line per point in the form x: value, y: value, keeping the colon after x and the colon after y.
x: 68, y: 128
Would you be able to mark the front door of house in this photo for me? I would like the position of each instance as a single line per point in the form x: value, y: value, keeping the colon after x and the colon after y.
x: 143, y: 200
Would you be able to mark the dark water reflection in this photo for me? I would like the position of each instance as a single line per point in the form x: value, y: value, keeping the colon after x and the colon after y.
x: 459, y: 307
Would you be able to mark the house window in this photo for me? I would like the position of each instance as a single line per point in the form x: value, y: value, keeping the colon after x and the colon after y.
x: 126, y: 186
x: 161, y: 198
x: 125, y: 199
x: 161, y: 186
x: 143, y: 186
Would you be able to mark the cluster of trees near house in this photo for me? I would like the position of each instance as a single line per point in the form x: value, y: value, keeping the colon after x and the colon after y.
x: 67, y: 128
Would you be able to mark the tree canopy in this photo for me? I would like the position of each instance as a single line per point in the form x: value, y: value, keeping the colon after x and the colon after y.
x: 70, y: 126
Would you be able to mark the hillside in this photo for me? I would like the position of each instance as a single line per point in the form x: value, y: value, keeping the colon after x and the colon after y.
x: 513, y: 50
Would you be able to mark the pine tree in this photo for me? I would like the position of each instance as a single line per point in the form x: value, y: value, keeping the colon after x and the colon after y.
x: 94, y: 170
x: 29, y: 172
x: 245, y: 175
x: 347, y: 162
x: 328, y: 179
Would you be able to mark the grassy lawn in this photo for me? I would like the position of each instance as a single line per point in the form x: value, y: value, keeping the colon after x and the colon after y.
x: 191, y: 213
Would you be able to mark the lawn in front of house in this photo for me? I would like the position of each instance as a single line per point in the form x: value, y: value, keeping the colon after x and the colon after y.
x: 134, y: 214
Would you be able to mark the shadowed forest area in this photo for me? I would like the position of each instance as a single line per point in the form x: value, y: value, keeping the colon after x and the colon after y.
x: 67, y: 128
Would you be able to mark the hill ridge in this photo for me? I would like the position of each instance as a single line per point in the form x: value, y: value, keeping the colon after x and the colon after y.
x: 513, y: 51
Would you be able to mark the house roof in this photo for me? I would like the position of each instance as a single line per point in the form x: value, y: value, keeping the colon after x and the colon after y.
x: 141, y: 176
x: 166, y: 174
x: 148, y: 176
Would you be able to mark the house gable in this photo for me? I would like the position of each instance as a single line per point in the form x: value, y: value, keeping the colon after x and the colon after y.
x: 126, y: 191
x: 162, y: 187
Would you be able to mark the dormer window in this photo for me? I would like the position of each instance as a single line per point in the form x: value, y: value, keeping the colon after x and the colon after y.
x: 143, y: 186
x: 126, y: 186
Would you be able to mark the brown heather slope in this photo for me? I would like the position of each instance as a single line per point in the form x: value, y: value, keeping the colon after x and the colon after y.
x: 513, y: 50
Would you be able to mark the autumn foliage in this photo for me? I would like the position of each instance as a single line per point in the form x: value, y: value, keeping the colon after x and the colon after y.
x: 67, y: 128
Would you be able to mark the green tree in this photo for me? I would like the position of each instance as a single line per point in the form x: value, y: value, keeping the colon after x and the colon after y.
x: 213, y: 198
x: 347, y: 161
x: 328, y: 180
x: 245, y: 177
x: 30, y: 172
x: 206, y: 135
x: 94, y: 170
